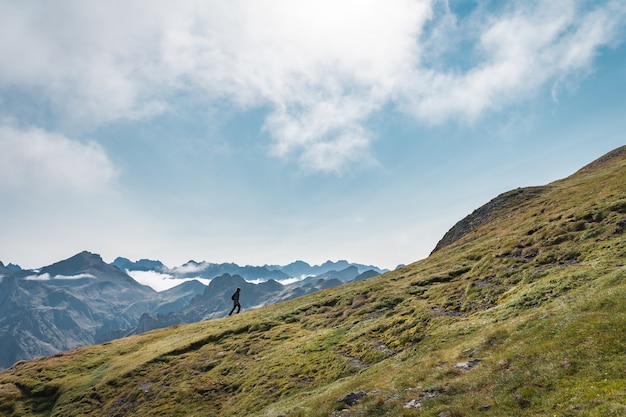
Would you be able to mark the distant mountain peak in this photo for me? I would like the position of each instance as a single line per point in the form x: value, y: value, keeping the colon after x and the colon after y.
x: 87, y: 263
x: 140, y: 265
x: 3, y: 269
x: 11, y: 267
x: 79, y: 261
x: 14, y: 267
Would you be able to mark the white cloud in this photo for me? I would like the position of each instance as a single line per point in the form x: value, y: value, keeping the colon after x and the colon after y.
x: 517, y: 53
x: 321, y: 69
x: 35, y: 160
x: 190, y: 268
x: 46, y: 277
x: 42, y: 277
x: 73, y: 277
x: 161, y: 282
x: 90, y: 62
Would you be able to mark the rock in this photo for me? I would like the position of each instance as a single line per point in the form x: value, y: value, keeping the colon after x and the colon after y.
x: 483, y: 214
x: 466, y: 366
x: 413, y: 404
x: 352, y: 398
x: 523, y: 402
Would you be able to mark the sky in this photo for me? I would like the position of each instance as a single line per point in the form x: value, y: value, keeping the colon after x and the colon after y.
x: 268, y: 131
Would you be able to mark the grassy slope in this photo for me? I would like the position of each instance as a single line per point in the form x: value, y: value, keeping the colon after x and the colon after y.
x: 536, y: 296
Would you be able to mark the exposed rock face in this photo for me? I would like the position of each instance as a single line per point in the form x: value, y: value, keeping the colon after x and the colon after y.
x: 485, y: 213
x: 466, y: 366
x: 615, y: 153
x: 146, y: 323
x: 352, y: 398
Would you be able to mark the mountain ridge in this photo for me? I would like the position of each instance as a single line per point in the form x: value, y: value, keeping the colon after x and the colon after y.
x: 482, y: 214
x: 204, y: 269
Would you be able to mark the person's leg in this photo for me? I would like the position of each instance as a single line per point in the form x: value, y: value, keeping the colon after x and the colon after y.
x: 238, y: 308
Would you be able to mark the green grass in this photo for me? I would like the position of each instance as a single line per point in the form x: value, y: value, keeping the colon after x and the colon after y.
x: 535, y: 295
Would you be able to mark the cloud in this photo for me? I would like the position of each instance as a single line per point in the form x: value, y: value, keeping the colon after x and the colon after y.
x: 46, y: 277
x: 73, y: 277
x: 42, y: 277
x: 517, y: 53
x: 34, y: 160
x: 89, y: 62
x: 190, y: 267
x: 161, y: 282
x: 320, y: 69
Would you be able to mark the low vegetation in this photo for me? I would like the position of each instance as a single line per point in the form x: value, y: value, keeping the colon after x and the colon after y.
x: 524, y: 313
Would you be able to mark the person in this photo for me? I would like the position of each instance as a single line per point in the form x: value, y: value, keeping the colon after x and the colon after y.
x: 235, y: 298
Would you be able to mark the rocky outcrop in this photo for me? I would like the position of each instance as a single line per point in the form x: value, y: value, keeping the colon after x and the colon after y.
x: 604, y: 159
x: 487, y: 212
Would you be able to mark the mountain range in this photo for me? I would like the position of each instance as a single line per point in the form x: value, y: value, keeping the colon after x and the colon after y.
x: 83, y: 300
x: 193, y: 269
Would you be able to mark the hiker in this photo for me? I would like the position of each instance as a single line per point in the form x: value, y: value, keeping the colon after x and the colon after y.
x: 235, y: 298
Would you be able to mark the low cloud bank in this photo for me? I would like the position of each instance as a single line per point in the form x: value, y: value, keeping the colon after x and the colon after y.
x: 161, y: 282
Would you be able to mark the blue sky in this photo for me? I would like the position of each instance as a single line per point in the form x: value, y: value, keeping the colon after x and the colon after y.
x: 262, y: 132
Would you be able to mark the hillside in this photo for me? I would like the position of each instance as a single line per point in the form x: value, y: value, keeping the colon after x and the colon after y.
x: 82, y: 300
x: 521, y: 312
